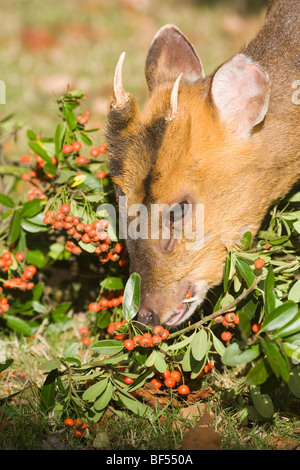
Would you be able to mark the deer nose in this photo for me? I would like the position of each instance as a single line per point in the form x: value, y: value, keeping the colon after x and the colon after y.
x: 147, y: 317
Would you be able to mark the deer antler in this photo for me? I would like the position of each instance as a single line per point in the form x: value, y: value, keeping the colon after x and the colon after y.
x: 173, y: 111
x: 120, y: 95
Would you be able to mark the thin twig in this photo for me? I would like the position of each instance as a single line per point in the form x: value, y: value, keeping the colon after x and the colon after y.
x: 231, y: 305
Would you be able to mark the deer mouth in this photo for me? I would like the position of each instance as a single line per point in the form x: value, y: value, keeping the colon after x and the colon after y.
x: 179, y: 312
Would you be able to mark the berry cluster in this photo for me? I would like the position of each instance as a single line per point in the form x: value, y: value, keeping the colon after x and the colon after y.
x: 229, y: 320
x: 147, y: 340
x: 74, y: 148
x: 84, y: 334
x: 4, y: 307
x: 23, y: 282
x: 94, y: 233
x: 78, y: 425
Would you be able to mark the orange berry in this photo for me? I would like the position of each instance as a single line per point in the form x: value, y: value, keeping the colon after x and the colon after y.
x: 145, y: 342
x: 81, y: 160
x: 78, y: 433
x: 129, y: 344
x: 157, y: 383
x: 166, y: 374
x: 156, y: 339
x: 183, y: 390
x: 86, y: 341
x: 65, y: 209
x: 259, y: 263
x: 94, y: 307
x: 69, y: 422
x: 76, y: 146
x: 176, y: 375
x: 101, y: 174
x: 84, y: 331
x: 169, y: 382
x: 67, y: 148
x: 158, y: 330
x: 136, y: 340
x: 256, y: 328
x: 129, y: 380
x: 226, y: 335
x: 229, y: 317
x: 165, y: 334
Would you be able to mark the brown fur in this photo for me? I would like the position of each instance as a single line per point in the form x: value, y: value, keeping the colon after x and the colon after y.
x: 199, y: 155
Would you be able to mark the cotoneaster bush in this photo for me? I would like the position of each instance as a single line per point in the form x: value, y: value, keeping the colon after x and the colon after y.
x: 49, y: 216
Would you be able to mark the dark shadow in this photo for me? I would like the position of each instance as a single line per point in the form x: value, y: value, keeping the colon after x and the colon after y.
x: 243, y: 7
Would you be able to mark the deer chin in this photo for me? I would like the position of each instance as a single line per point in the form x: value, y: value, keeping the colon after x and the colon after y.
x: 182, y: 312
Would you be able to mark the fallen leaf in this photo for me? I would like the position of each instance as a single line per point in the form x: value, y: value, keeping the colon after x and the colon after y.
x: 192, y: 412
x: 202, y: 436
x: 283, y: 443
x: 200, y: 394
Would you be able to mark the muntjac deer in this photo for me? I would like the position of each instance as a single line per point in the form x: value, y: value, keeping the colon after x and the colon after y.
x: 229, y: 143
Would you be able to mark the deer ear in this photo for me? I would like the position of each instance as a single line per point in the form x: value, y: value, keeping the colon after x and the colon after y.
x: 170, y: 55
x: 240, y: 90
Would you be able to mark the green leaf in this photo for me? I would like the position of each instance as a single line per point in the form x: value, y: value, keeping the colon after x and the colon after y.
x: 199, y: 345
x: 70, y: 118
x: 294, y: 382
x: 59, y: 137
x: 95, y: 390
x: 280, y: 316
x: 294, y: 293
x: 71, y: 350
x: 160, y: 363
x: 32, y: 228
x: 218, y: 345
x: 87, y: 247
x: 48, y: 390
x: 86, y: 139
x: 5, y: 364
x: 131, y: 301
x: 236, y: 354
x: 19, y: 325
x: 181, y: 344
x: 246, y: 240
x: 270, y: 297
x: 134, y: 405
x: 276, y: 360
x: 39, y: 150
x: 37, y: 258
x: 102, y: 402
x: 290, y: 328
x: 107, y: 346
x: 32, y: 208
x: 112, y: 283
x: 50, y: 365
x: 31, y: 134
x: 245, y: 271
x: 262, y: 402
x: 6, y: 201
x: 244, y: 325
x: 259, y: 373
x: 226, y: 272
x: 15, y: 227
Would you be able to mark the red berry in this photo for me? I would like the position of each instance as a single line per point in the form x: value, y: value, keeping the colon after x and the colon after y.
x: 65, y: 208
x: 129, y: 344
x: 86, y: 341
x: 166, y: 374
x: 6, y: 256
x: 236, y: 320
x: 25, y: 158
x: 102, y: 148
x: 76, y: 146
x: 59, y: 217
x: 85, y: 238
x: 136, y: 340
x: 183, y: 390
x: 78, y: 433
x: 165, y: 334
x: 129, y: 380
x: 101, y: 174
x: 145, y: 342
x: 169, y: 382
x: 104, y: 247
x: 158, y: 330
x: 47, y: 221
x: 176, y: 375
x: 156, y: 339
x: 81, y: 160
x: 256, y: 328
x: 69, y: 422
x: 259, y: 263
x: 229, y: 317
x: 94, y: 307
x: 67, y: 148
x: 226, y: 335
x: 20, y: 256
x: 25, y: 177
x: 83, y: 331
x: 49, y: 214
x: 94, y: 152
x: 104, y: 302
x: 157, y: 383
